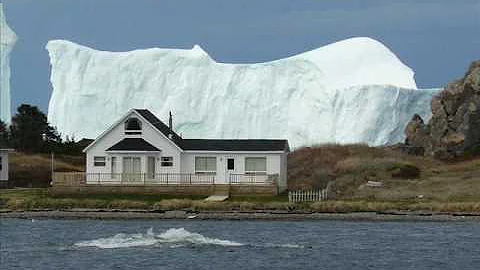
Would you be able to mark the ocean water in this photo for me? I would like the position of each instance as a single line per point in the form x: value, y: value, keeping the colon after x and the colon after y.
x: 194, y: 244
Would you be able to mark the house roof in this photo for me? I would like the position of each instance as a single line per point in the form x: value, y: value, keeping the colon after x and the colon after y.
x: 213, y: 144
x: 133, y: 144
x: 234, y: 145
x: 138, y: 144
x: 158, y: 124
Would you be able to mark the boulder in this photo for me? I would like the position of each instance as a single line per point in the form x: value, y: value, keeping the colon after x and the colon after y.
x: 454, y: 128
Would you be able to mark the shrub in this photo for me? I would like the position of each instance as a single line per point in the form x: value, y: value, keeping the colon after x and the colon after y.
x: 405, y: 171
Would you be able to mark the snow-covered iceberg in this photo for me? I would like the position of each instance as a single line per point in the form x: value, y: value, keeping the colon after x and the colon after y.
x: 7, y: 41
x: 355, y: 90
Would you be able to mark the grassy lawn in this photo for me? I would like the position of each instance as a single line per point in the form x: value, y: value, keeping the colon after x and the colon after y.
x: 35, y: 199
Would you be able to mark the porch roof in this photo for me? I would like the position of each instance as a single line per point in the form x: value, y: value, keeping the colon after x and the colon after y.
x: 133, y: 144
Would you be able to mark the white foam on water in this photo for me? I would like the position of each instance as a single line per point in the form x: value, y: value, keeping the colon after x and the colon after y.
x: 281, y: 246
x: 181, y: 235
x: 172, y: 236
x: 120, y: 240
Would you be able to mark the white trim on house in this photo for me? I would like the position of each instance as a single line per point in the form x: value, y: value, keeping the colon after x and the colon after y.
x: 152, y: 148
x: 231, y: 152
x: 123, y: 119
x: 132, y: 152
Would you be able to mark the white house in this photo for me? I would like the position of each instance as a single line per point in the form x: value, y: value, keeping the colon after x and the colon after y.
x: 4, y: 166
x: 139, y: 148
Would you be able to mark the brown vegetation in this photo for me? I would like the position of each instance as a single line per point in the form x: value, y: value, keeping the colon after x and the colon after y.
x: 34, y: 170
x: 348, y: 168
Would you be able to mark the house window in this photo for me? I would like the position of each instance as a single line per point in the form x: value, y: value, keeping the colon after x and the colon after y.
x: 99, y: 161
x: 133, y: 126
x: 1, y: 164
x: 256, y: 165
x: 167, y: 161
x: 230, y: 164
x: 132, y: 170
x: 205, y: 164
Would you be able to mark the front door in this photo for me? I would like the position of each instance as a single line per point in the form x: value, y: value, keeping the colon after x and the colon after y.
x: 132, y: 170
x: 230, y: 169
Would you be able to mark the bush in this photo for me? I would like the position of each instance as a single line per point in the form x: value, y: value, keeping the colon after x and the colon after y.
x: 405, y: 171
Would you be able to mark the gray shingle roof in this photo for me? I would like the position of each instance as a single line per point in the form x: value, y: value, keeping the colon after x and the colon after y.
x: 214, y: 144
x: 235, y: 145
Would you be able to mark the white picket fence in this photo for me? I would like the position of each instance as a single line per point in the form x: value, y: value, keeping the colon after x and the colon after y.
x: 308, y: 195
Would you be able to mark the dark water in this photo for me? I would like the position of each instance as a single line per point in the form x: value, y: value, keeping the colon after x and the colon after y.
x: 141, y: 244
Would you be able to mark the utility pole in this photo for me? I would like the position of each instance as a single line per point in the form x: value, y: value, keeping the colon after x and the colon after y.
x: 52, y: 165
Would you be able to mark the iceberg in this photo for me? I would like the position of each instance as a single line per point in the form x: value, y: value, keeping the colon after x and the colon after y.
x: 352, y: 91
x: 7, y: 41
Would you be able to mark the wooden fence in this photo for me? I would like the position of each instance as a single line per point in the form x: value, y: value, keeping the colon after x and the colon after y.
x: 308, y: 195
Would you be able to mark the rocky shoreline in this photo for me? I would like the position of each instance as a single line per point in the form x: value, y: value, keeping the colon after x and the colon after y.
x: 238, y: 215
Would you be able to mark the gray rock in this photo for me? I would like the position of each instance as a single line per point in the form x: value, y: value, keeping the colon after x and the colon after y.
x: 454, y: 128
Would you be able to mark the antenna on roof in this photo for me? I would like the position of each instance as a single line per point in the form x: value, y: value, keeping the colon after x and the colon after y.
x: 170, y: 120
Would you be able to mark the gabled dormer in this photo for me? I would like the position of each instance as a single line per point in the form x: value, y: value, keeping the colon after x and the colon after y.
x: 133, y: 126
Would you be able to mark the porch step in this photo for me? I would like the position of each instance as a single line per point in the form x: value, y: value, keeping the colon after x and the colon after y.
x: 217, y: 198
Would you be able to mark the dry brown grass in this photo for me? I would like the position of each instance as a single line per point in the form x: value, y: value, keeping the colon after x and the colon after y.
x: 349, y: 167
x: 34, y: 170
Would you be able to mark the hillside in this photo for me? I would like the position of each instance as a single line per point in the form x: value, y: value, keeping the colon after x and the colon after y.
x: 404, y: 178
x: 34, y: 170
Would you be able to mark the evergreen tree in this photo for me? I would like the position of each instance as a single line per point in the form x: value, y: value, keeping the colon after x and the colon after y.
x: 3, y: 134
x: 30, y: 131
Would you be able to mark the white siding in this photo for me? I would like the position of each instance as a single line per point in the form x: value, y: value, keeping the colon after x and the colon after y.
x: 4, y: 171
x: 183, y: 162
x: 274, y: 163
x: 149, y: 134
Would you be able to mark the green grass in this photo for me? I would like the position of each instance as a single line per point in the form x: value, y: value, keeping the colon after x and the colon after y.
x: 260, y: 199
x: 112, y: 197
x: 34, y: 199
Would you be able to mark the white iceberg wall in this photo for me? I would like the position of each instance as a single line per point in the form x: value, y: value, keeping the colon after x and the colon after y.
x: 7, y: 41
x: 377, y: 114
x: 299, y: 98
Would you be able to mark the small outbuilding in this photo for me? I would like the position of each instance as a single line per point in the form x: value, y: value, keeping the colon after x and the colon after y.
x: 4, y: 167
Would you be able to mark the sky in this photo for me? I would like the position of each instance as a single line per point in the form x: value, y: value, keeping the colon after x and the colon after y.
x: 437, y: 39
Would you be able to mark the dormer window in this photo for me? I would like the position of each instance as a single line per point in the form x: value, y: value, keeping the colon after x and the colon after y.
x: 133, y: 126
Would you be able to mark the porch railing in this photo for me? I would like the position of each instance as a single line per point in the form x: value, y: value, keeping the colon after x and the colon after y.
x: 260, y: 179
x: 80, y: 178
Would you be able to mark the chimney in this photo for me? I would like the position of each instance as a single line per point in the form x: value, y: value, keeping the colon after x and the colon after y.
x: 170, y: 121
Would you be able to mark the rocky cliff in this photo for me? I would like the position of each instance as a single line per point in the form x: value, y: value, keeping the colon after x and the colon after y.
x: 454, y: 128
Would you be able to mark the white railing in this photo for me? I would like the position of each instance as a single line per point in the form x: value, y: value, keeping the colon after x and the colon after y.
x: 150, y: 179
x: 260, y: 179
x: 308, y: 195
x: 80, y: 178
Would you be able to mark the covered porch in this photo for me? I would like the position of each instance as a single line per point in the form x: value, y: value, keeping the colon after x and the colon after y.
x: 179, y: 184
x: 82, y: 178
